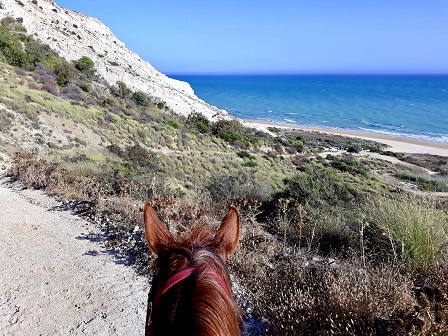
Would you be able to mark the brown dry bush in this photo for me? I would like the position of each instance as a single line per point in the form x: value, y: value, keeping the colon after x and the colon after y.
x: 310, y: 297
x: 34, y: 172
x: 124, y: 212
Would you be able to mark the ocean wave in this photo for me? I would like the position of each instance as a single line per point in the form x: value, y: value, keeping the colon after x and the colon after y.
x: 382, y: 126
x: 425, y: 137
x: 289, y: 120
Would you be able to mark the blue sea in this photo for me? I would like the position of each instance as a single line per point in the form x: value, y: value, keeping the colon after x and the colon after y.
x: 411, y: 106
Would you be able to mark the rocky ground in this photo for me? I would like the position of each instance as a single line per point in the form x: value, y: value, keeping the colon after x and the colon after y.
x: 56, y: 277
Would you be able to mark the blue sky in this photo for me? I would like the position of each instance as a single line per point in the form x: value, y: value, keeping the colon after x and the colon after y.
x: 281, y: 36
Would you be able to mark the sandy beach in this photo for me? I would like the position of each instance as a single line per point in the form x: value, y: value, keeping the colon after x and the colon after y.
x: 397, y: 144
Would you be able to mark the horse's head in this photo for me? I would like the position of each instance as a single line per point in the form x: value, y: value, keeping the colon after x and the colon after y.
x: 191, y: 290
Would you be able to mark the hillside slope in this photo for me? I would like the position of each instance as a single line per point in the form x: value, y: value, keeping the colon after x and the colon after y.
x: 74, y: 35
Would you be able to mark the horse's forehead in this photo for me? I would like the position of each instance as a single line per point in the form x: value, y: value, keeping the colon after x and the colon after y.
x: 203, y: 234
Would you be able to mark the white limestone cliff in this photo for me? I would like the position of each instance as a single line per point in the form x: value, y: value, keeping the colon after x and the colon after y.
x: 74, y: 35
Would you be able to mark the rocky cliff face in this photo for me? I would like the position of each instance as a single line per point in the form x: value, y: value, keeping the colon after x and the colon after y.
x: 74, y: 35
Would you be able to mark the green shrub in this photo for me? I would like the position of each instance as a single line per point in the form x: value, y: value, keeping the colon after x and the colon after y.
x: 274, y: 129
x: 84, y: 64
x: 14, y: 54
x: 24, y: 51
x: 298, y: 144
x: 114, y: 148
x: 199, y: 121
x: 320, y: 186
x: 65, y: 72
x: 173, y: 123
x: 244, y: 155
x: 250, y: 164
x: 233, y: 132
x: 347, y: 163
x: 140, y: 98
x: 83, y: 86
x: 121, y: 90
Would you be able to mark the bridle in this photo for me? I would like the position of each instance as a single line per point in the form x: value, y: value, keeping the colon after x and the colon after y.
x: 155, y: 293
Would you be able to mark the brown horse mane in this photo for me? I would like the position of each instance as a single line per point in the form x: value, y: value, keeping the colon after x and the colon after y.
x: 198, y: 305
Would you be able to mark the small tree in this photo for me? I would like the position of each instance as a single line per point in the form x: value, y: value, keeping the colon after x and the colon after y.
x: 199, y: 121
x: 139, y: 98
x: 65, y: 72
x: 84, y: 64
x: 121, y: 90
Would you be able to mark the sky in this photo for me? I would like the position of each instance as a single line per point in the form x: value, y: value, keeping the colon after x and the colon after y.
x: 280, y: 36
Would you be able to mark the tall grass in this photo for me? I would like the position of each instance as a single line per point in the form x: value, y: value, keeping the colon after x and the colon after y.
x: 411, y: 229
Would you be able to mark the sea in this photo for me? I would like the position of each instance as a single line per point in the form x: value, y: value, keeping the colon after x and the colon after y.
x: 409, y: 106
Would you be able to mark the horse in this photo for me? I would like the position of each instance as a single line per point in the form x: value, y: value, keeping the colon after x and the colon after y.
x: 191, y: 289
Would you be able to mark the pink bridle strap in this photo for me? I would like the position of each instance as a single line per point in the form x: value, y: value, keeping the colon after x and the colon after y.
x: 182, y: 275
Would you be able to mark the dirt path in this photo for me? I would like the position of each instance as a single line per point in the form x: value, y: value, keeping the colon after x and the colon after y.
x: 55, y: 280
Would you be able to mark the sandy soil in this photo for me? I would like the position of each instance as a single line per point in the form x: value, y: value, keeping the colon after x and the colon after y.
x: 56, y: 279
x: 403, y: 145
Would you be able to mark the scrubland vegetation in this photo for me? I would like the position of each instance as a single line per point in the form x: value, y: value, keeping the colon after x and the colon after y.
x: 329, y: 245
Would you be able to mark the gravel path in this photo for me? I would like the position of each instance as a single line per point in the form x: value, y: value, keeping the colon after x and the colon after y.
x: 56, y: 279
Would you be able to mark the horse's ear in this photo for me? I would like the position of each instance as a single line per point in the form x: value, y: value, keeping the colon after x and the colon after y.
x: 228, y: 234
x: 156, y: 233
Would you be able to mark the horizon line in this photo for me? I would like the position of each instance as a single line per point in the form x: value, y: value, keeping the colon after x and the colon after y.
x: 247, y: 73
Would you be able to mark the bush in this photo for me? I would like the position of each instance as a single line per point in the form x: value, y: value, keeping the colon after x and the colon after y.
x: 34, y: 172
x: 250, y: 164
x: 24, y: 51
x: 121, y: 90
x: 347, y: 163
x: 65, y: 72
x: 354, y: 148
x: 320, y: 186
x: 245, y: 155
x: 298, y: 144
x: 233, y: 132
x: 173, y: 123
x: 227, y: 187
x: 229, y: 130
x: 14, y: 54
x: 83, y: 86
x: 84, y: 64
x: 114, y: 148
x: 74, y: 92
x: 199, y: 121
x: 137, y: 155
x: 311, y: 297
x: 52, y: 87
x: 140, y: 98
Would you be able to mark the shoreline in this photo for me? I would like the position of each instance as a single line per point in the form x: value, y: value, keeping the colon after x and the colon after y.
x: 396, y: 144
